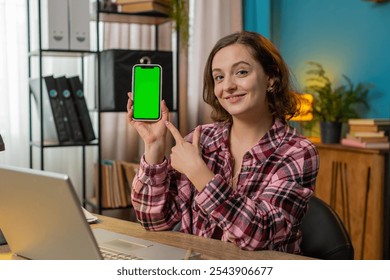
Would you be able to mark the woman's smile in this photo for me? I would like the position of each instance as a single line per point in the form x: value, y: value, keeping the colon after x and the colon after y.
x: 235, y: 98
x: 240, y: 82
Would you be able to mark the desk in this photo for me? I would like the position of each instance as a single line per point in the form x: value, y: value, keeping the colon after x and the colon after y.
x: 208, y: 248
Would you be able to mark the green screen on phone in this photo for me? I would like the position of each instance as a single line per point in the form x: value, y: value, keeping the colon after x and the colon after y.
x: 146, y: 92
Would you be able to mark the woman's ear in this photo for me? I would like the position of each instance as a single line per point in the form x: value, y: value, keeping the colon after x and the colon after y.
x: 271, y: 82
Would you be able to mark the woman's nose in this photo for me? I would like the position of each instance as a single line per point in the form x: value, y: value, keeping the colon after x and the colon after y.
x: 229, y: 84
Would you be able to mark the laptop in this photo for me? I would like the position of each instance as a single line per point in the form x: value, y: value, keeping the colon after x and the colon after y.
x: 41, y: 218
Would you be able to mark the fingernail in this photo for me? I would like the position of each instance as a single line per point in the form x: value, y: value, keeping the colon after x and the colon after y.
x: 166, y: 123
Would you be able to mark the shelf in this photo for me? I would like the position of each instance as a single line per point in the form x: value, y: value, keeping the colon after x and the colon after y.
x: 38, y: 57
x: 340, y: 147
x: 61, y: 53
x: 56, y: 144
x: 138, y: 18
x: 92, y: 202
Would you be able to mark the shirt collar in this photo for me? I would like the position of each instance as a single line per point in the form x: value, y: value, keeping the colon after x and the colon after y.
x: 270, y: 142
x: 220, y: 138
x: 265, y: 147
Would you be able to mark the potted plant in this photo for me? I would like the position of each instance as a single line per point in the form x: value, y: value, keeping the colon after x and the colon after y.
x: 334, y: 105
x: 178, y: 12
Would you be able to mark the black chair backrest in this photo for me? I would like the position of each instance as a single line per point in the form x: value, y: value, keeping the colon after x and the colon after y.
x: 323, y: 233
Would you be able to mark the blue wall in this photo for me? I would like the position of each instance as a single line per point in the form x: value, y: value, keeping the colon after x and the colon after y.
x: 253, y: 22
x: 350, y: 37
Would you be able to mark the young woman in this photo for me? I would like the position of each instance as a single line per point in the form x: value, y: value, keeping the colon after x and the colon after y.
x: 248, y: 177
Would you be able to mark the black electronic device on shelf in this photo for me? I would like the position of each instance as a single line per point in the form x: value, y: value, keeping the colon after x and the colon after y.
x: 116, y: 67
x: 77, y: 92
x: 72, y: 122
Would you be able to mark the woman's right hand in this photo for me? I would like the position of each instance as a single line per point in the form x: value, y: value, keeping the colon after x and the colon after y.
x: 152, y: 133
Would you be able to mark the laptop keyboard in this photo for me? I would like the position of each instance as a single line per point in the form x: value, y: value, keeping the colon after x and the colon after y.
x: 109, y: 254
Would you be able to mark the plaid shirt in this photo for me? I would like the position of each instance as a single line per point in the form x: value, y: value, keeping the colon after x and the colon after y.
x: 264, y: 211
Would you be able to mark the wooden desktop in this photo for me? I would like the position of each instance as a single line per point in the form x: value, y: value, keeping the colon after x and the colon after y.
x: 210, y: 249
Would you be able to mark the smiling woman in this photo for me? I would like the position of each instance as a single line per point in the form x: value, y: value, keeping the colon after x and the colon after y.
x: 259, y: 53
x: 247, y: 178
x: 240, y: 84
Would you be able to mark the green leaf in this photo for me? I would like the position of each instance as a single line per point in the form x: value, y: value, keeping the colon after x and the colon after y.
x: 334, y: 104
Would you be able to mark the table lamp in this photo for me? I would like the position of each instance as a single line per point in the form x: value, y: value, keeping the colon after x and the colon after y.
x: 305, y: 110
x: 2, y: 148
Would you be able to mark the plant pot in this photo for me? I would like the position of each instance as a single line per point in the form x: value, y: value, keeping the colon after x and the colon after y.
x: 330, y: 132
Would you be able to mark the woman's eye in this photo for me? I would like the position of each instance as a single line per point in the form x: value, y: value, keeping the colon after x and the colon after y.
x: 242, y: 72
x: 218, y: 77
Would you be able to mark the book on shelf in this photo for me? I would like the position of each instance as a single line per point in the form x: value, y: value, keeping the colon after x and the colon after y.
x: 55, y: 121
x: 65, y: 113
x: 368, y: 127
x: 371, y: 145
x: 124, y: 2
x: 368, y: 139
x: 145, y: 7
x: 72, y: 118
x: 369, y: 121
x: 76, y: 87
x: 123, y: 188
x: 117, y: 178
x: 376, y: 134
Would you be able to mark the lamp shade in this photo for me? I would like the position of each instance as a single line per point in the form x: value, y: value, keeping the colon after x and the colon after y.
x: 305, y: 108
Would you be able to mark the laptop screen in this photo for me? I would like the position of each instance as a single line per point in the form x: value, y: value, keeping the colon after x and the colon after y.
x: 41, y: 217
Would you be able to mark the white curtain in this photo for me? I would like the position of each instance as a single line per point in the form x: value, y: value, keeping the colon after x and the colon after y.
x: 13, y: 83
x: 14, y: 97
x: 209, y: 21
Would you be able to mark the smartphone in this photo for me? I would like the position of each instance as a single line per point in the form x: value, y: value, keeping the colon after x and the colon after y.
x: 147, y: 80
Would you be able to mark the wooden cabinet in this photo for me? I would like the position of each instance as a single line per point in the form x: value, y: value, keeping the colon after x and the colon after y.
x: 354, y: 182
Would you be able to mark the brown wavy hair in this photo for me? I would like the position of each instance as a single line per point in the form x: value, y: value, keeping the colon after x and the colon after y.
x: 283, y: 103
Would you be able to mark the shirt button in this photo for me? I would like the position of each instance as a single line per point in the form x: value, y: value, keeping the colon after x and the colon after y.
x: 245, y: 168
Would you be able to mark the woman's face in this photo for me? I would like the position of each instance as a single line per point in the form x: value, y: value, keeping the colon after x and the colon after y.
x: 240, y: 83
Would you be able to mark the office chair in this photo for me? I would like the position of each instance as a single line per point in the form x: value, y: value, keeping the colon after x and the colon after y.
x: 323, y: 233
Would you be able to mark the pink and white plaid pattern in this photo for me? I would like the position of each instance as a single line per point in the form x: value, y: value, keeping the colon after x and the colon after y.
x: 264, y: 211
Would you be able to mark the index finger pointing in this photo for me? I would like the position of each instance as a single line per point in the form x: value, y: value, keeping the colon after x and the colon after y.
x: 175, y: 132
x: 196, y: 137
